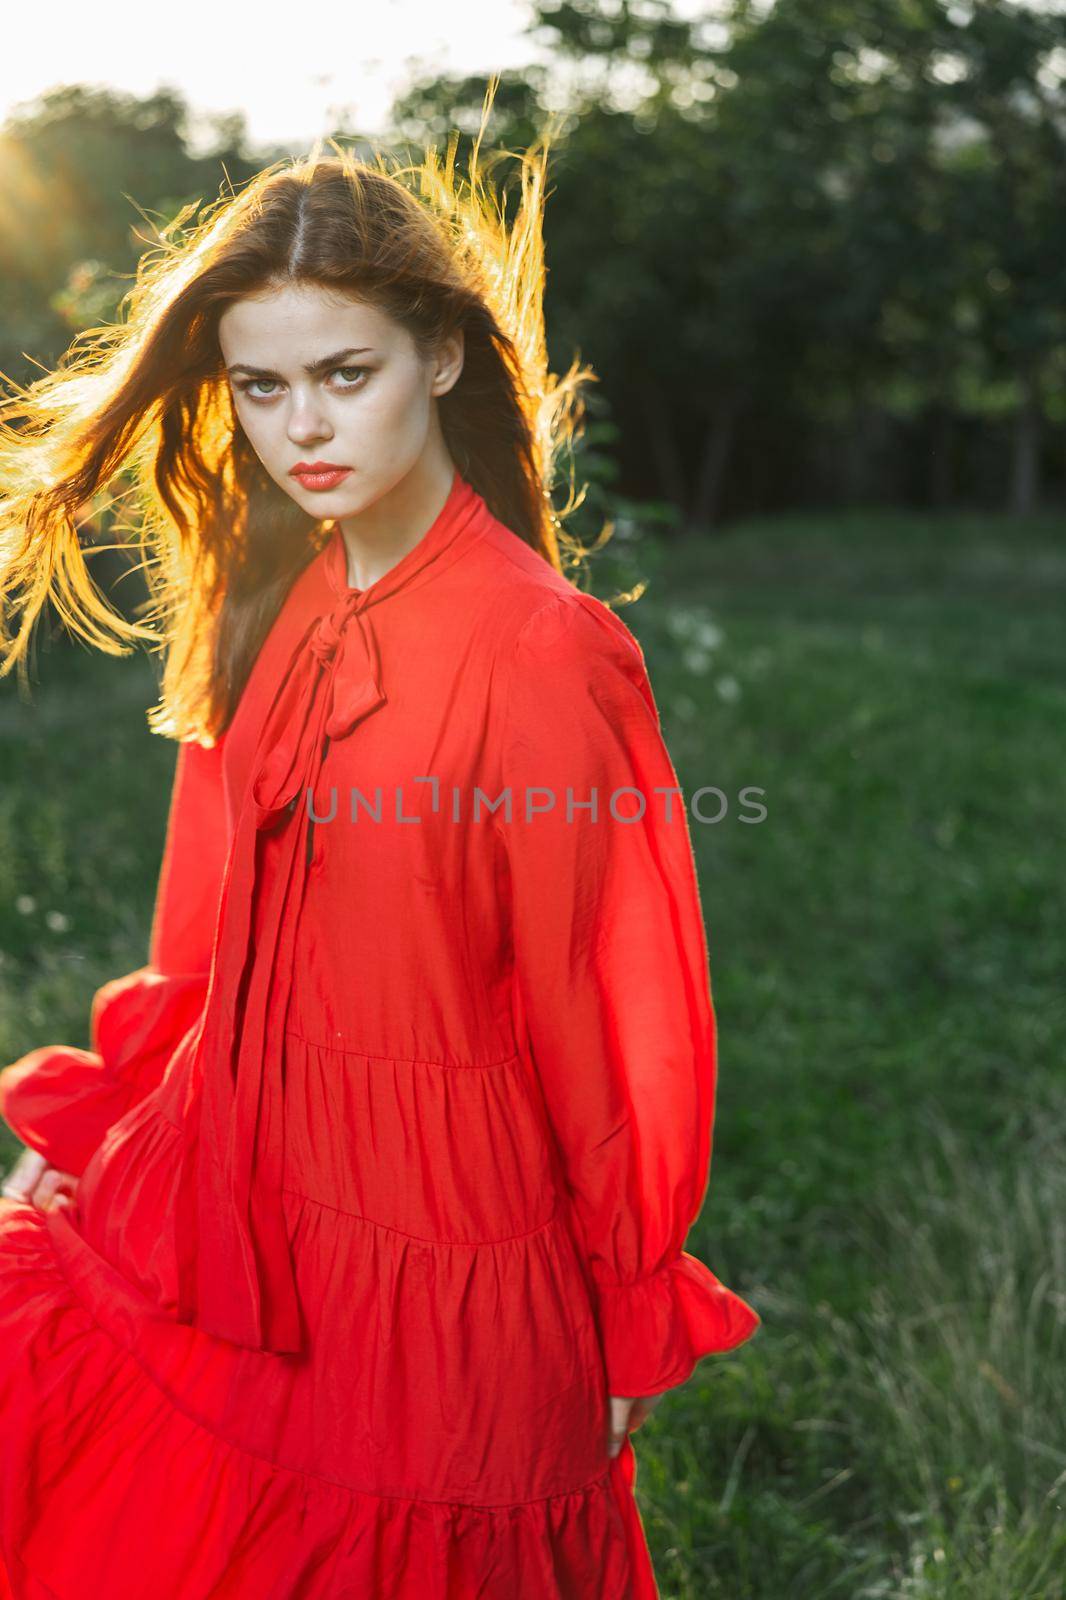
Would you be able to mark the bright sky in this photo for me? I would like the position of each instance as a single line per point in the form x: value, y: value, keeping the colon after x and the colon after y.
x: 295, y: 69
x: 285, y: 65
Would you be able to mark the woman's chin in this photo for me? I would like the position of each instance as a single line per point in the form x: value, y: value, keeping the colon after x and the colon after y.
x: 324, y: 503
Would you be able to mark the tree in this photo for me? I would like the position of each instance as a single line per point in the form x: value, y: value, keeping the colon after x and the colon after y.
x: 77, y: 169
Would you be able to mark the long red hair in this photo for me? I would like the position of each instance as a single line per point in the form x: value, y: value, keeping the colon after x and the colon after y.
x: 147, y: 398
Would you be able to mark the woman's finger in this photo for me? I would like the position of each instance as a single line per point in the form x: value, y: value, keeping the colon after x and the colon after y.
x: 627, y: 1414
x: 620, y: 1409
x: 53, y: 1186
x: 66, y: 1189
x: 24, y: 1176
x: 642, y: 1410
x: 45, y: 1188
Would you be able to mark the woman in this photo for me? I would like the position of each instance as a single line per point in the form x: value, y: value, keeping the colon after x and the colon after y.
x: 371, y: 1193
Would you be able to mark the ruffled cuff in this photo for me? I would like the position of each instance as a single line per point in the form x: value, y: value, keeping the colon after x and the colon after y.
x: 60, y: 1100
x: 655, y: 1330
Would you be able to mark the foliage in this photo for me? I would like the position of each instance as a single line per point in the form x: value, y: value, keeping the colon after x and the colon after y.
x: 828, y: 230
x: 86, y: 174
x: 815, y: 249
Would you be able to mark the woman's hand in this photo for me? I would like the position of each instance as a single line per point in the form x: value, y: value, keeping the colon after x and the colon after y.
x: 627, y: 1414
x: 34, y: 1179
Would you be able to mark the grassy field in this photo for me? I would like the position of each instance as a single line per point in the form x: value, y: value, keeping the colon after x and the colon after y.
x: 889, y: 1179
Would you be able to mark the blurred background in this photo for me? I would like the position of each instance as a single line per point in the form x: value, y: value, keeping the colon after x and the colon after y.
x: 815, y: 251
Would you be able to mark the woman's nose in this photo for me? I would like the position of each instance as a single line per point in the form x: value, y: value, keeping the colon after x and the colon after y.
x: 308, y: 421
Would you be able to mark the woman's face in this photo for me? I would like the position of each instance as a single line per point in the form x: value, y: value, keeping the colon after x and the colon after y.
x: 321, y: 380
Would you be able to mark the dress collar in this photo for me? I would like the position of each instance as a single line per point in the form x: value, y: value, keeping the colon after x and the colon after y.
x: 436, y: 548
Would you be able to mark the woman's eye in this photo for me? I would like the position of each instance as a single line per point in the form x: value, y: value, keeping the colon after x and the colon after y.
x: 255, y: 386
x: 350, y: 375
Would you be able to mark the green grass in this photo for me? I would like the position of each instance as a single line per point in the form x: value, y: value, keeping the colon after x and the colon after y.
x: 83, y: 810
x: 887, y: 958
x: 889, y: 1175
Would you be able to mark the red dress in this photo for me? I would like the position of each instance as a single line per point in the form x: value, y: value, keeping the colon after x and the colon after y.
x: 388, y: 1154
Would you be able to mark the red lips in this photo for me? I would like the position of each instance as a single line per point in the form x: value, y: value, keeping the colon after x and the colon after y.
x: 318, y: 474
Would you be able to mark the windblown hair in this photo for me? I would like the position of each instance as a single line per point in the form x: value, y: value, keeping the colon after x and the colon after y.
x: 146, y: 400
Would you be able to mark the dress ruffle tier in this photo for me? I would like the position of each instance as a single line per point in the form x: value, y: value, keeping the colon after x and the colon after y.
x: 257, y: 1455
x: 122, y: 1442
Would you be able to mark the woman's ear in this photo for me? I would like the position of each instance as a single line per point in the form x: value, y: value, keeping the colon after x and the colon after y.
x: 448, y: 363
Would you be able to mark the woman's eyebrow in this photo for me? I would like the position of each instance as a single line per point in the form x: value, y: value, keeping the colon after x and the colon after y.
x: 312, y: 368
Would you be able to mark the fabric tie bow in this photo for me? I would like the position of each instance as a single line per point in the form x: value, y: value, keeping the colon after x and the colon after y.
x: 235, y: 1276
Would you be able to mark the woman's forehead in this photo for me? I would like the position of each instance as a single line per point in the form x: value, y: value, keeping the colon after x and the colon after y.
x: 295, y: 317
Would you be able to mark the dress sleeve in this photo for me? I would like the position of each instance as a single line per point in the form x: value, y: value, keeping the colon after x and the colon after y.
x: 61, y: 1100
x: 611, y: 969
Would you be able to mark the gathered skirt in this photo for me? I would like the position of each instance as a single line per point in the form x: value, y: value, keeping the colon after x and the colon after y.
x: 393, y: 1461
